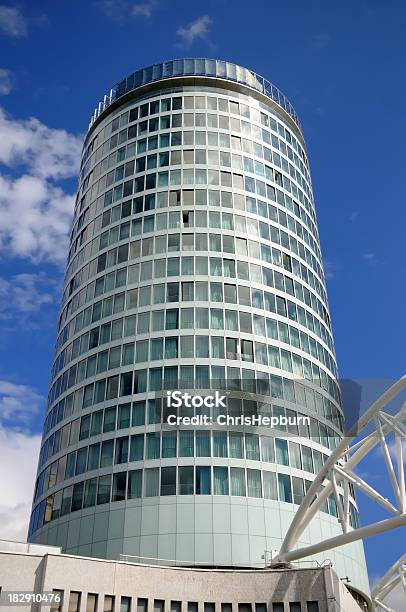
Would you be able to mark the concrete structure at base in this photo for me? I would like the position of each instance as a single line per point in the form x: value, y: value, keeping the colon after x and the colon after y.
x: 99, y: 585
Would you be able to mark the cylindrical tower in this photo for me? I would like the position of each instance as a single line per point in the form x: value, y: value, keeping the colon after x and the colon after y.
x: 194, y: 264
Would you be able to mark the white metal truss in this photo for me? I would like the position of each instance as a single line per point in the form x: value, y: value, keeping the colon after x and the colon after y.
x: 395, y: 576
x: 339, y: 471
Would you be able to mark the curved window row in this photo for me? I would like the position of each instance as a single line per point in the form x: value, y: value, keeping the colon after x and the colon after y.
x: 198, y: 156
x: 281, y: 138
x: 199, y: 291
x: 252, y: 226
x: 187, y: 377
x: 197, y: 242
x: 172, y: 443
x: 187, y: 291
x: 189, y: 139
x: 214, y: 243
x: 179, y: 480
x: 188, y: 218
x: 189, y: 265
x: 257, y: 125
x: 190, y: 241
x: 173, y: 347
x: 190, y: 346
x: 210, y: 177
x: 160, y: 268
x: 200, y: 319
x: 201, y: 178
x: 236, y: 163
x: 151, y: 412
x: 224, y: 160
x: 202, y: 197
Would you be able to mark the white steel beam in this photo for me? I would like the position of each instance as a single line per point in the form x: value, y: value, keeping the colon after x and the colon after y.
x: 345, y: 538
x: 339, y: 470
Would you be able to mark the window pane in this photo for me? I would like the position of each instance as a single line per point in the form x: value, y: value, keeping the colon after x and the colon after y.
x: 90, y: 493
x: 137, y: 447
x: 203, y: 480
x: 168, y: 444
x: 270, y: 489
x: 151, y: 482
x: 186, y: 443
x: 267, y: 449
x: 103, y: 489
x: 284, y: 486
x: 185, y: 479
x: 202, y: 443
x: 108, y: 605
x: 106, y: 458
x: 220, y: 444
x: 282, y: 455
x: 236, y: 445
x: 119, y: 486
x: 220, y: 480
x: 252, y: 446
x: 254, y: 485
x: 56, y: 606
x: 125, y: 604
x: 168, y: 480
x: 134, y: 484
x: 237, y: 477
x: 74, y: 601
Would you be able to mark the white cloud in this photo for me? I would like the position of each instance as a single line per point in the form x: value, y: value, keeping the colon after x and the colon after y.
x: 35, y: 212
x: 18, y: 463
x: 121, y: 10
x: 19, y: 449
x: 393, y: 450
x: 144, y: 9
x: 18, y: 404
x: 5, y: 82
x: 47, y: 152
x: 199, y: 28
x: 329, y: 269
x: 12, y: 22
x: 369, y: 257
x: 36, y: 218
x: 24, y: 294
x: 115, y: 9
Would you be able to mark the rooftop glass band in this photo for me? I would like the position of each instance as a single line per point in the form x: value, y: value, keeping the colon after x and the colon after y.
x: 195, y: 67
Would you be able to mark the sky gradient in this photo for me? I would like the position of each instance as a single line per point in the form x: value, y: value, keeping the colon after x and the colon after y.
x: 342, y: 67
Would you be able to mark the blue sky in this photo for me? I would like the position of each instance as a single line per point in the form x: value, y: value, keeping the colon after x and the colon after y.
x: 341, y: 65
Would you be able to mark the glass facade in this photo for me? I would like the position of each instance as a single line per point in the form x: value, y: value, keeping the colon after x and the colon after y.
x: 194, y: 264
x: 195, y: 67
